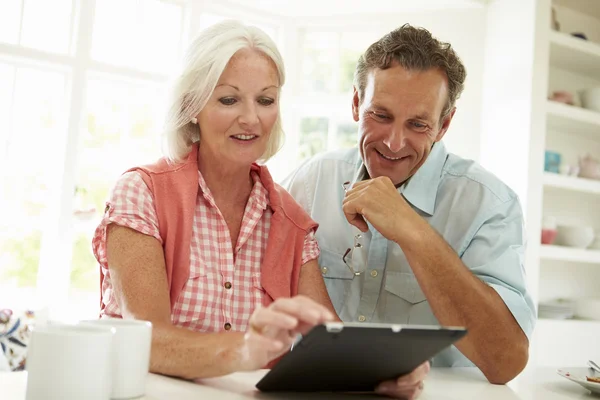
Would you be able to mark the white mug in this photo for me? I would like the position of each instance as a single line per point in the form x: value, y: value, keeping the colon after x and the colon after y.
x: 69, y: 362
x: 130, y: 355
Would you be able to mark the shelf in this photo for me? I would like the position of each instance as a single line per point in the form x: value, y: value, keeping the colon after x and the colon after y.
x: 571, y: 183
x: 561, y: 253
x: 573, y: 120
x: 575, y: 55
x: 590, y: 8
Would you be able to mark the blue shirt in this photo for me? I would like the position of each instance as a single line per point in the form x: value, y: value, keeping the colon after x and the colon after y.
x: 478, y: 215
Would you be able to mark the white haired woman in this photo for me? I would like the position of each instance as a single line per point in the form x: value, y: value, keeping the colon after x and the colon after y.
x: 197, y: 242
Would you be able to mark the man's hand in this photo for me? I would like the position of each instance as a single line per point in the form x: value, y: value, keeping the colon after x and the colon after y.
x: 378, y: 202
x: 408, y: 386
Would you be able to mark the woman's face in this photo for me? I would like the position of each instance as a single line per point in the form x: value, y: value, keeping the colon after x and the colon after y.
x: 236, y: 123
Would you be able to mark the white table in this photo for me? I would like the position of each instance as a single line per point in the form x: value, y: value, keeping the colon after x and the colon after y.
x: 442, y: 384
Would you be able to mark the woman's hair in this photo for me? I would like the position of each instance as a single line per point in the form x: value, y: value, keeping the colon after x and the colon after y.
x: 203, y: 64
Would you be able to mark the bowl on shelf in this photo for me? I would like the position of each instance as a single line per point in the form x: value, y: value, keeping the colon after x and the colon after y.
x: 590, y: 98
x: 588, y: 308
x: 589, y: 167
x: 575, y: 236
x: 596, y: 242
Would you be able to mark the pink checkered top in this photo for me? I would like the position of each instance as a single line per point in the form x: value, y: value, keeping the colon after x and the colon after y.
x: 224, y: 287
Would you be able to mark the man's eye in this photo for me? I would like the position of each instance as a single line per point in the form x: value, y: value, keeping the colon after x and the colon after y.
x: 380, y: 116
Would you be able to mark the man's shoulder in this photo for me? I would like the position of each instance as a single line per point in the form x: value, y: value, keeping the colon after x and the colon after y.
x: 466, y: 173
x: 342, y: 161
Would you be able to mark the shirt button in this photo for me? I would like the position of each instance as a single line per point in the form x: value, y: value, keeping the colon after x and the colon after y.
x: 324, y: 270
x: 362, y: 318
x: 227, y: 326
x: 227, y: 285
x: 374, y: 273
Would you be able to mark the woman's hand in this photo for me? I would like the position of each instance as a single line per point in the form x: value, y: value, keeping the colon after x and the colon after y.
x: 273, y: 329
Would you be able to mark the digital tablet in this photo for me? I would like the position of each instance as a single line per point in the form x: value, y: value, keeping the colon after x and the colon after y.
x: 355, y: 357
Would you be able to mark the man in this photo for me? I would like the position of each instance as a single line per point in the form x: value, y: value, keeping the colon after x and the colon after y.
x: 410, y: 233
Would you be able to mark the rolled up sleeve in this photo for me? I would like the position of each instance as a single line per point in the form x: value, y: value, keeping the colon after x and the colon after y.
x: 496, y: 255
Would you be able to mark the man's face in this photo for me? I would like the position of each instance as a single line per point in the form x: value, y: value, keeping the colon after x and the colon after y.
x: 399, y: 120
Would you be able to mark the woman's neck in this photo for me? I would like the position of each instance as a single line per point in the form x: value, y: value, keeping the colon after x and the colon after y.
x: 229, y: 184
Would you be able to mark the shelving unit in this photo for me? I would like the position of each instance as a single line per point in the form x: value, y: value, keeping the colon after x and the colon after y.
x: 563, y: 117
x: 573, y: 65
x: 571, y: 183
x: 561, y: 253
x: 574, y: 54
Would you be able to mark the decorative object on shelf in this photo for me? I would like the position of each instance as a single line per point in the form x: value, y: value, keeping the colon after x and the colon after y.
x: 596, y: 243
x: 590, y: 98
x: 549, y: 230
x: 579, y: 35
x: 569, y: 170
x: 555, y: 24
x: 589, y: 167
x: 588, y: 308
x: 575, y: 236
x: 556, y: 309
x: 552, y: 161
x: 562, y: 96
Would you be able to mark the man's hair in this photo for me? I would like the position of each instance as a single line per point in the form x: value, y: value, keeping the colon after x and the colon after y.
x: 413, y: 49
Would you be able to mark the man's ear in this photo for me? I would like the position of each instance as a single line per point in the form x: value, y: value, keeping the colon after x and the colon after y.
x: 445, y: 125
x: 355, y: 105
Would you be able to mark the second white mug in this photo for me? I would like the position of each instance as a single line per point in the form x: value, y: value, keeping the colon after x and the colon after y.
x: 130, y: 355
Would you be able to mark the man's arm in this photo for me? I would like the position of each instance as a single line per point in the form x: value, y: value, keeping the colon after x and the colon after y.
x: 496, y: 343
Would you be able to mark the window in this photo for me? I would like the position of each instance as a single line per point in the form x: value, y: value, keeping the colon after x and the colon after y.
x: 33, y: 104
x: 145, y: 35
x: 39, y: 24
x: 105, y: 94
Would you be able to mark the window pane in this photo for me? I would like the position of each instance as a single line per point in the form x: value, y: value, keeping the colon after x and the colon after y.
x: 313, y: 136
x: 140, y: 34
x: 36, y: 123
x: 208, y: 19
x: 121, y: 125
x: 346, y: 135
x: 318, y: 61
x: 47, y: 25
x: 353, y: 44
x: 10, y: 21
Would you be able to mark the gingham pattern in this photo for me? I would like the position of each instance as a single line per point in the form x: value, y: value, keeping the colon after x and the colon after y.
x: 205, y: 304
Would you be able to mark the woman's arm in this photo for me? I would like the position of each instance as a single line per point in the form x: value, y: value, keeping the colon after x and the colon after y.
x: 138, y: 275
x: 312, y: 286
x: 139, y: 279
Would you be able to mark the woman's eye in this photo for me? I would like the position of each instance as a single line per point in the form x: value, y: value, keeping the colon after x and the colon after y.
x: 227, y: 101
x: 419, y: 125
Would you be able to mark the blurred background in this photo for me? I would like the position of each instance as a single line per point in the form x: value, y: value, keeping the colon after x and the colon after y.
x: 83, y: 82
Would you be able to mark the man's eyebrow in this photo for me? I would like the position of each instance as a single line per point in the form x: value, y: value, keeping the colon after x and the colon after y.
x: 424, y: 116
x: 379, y: 107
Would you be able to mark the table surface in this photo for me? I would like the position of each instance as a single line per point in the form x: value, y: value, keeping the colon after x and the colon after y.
x: 441, y: 384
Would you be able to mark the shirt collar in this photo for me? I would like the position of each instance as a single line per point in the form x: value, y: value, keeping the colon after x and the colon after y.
x: 421, y: 189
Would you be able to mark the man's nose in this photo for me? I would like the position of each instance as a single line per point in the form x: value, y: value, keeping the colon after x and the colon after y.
x: 396, y: 139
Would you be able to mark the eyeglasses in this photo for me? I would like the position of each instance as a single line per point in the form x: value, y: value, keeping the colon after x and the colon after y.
x: 350, y: 252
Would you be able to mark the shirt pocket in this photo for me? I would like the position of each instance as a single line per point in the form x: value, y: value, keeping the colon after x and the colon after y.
x: 193, y: 308
x: 405, y: 286
x: 337, y: 277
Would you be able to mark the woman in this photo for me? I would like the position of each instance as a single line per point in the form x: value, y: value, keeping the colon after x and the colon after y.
x: 198, y: 241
